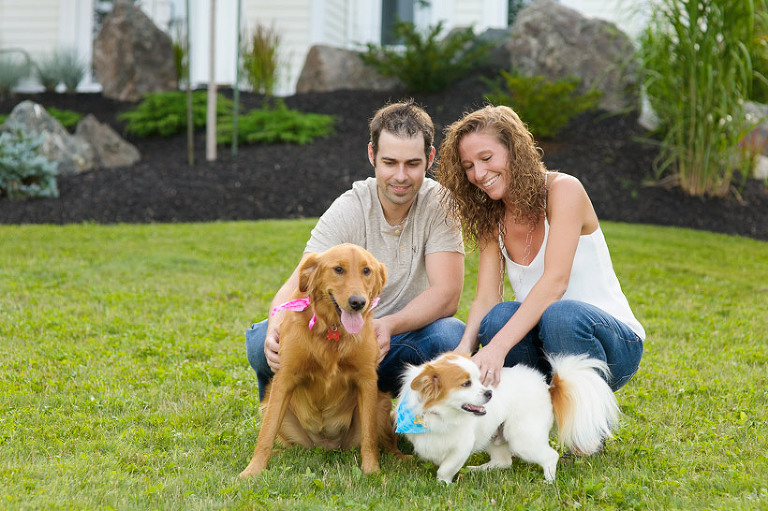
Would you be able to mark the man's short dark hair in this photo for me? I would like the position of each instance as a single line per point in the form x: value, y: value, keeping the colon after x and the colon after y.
x: 403, y: 119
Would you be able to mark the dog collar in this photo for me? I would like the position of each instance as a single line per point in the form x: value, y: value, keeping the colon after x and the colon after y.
x: 409, y: 422
x: 299, y: 304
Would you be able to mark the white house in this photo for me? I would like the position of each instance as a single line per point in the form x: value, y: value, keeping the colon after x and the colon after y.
x: 41, y: 26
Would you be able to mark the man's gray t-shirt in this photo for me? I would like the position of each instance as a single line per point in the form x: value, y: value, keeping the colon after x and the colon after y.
x: 356, y: 217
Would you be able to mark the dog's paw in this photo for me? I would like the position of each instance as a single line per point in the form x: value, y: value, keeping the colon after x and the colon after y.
x: 370, y: 467
x: 251, y: 470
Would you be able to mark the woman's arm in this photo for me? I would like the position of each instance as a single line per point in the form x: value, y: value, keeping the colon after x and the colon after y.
x: 570, y: 214
x: 489, y: 281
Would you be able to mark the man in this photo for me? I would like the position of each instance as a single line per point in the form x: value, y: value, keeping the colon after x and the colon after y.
x: 395, y: 216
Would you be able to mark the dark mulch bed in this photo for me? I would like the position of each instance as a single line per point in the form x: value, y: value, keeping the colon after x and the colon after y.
x: 286, y: 181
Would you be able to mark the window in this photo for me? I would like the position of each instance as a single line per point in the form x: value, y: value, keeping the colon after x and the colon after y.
x: 393, y: 11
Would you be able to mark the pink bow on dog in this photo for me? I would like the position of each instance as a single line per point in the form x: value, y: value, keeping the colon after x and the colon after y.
x: 299, y: 304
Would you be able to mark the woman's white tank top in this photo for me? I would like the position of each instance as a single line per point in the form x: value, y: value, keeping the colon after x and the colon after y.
x: 592, y: 280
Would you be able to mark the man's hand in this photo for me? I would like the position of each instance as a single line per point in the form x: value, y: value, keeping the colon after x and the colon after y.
x: 383, y: 337
x: 271, y: 347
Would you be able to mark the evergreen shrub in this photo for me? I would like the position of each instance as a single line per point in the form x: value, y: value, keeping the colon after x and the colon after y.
x: 165, y: 113
x: 24, y: 172
x: 426, y: 63
x: 276, y: 124
x: 544, y: 105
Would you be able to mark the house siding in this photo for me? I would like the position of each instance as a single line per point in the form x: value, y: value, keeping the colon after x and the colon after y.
x: 32, y: 25
x: 42, y: 26
x: 291, y: 19
x: 336, y: 30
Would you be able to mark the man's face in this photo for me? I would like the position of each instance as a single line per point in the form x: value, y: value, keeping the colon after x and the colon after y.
x: 400, y: 167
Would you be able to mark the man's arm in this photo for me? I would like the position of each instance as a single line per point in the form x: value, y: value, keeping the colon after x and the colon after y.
x: 445, y: 273
x: 271, y: 343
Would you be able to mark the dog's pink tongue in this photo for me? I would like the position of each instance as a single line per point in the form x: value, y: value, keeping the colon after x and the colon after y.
x: 352, y: 321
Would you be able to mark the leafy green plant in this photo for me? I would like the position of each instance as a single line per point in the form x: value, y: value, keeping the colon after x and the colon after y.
x: 545, y: 106
x: 426, y: 63
x: 165, y: 113
x: 276, y: 123
x: 260, y: 59
x: 67, y: 118
x: 24, y: 173
x: 697, y: 72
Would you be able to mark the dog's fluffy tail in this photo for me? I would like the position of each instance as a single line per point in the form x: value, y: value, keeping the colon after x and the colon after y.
x: 585, y: 408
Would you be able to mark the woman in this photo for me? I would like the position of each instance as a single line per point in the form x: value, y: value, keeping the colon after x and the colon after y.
x: 542, y: 227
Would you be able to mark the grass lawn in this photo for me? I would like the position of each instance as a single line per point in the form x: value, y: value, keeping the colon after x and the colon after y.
x: 124, y: 383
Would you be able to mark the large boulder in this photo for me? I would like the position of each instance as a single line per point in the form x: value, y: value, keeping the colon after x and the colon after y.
x: 327, y: 68
x: 74, y: 154
x: 131, y: 56
x: 109, y: 149
x: 554, y: 41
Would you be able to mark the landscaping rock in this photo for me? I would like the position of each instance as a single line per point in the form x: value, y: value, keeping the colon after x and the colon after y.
x: 131, y: 56
x: 110, y: 150
x: 327, y: 68
x: 73, y: 153
x: 556, y: 42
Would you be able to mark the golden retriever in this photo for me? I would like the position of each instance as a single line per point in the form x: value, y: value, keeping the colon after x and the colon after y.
x: 325, y: 392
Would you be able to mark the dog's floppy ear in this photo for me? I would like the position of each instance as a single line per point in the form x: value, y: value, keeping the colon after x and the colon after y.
x: 306, y: 271
x: 427, y: 383
x: 381, y: 278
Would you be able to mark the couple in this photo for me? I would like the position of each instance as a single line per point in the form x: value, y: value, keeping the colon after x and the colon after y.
x: 536, y: 224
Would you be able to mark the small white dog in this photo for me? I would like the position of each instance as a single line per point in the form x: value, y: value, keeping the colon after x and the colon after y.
x: 447, y: 414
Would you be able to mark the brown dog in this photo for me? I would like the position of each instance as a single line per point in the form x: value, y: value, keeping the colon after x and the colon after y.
x: 325, y: 392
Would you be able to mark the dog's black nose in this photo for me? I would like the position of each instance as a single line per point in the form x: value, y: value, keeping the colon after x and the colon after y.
x: 488, y: 394
x: 357, y: 302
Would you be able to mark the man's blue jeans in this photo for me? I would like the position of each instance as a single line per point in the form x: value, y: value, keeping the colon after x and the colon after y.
x: 569, y: 326
x: 408, y: 348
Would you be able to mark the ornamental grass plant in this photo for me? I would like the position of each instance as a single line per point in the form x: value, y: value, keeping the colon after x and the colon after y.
x: 697, y: 73
x: 124, y: 383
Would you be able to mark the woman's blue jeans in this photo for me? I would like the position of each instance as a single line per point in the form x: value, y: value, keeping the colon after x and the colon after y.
x: 569, y: 326
x: 408, y: 348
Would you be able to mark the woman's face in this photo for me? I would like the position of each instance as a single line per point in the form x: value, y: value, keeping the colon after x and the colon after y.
x: 484, y: 160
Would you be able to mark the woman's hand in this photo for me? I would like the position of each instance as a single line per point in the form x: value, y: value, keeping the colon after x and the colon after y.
x: 490, y: 360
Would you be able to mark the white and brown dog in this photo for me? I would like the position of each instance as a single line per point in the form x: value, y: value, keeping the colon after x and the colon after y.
x: 447, y: 414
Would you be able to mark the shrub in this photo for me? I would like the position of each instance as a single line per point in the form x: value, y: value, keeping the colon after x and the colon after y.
x: 696, y: 73
x: 165, y: 113
x: 67, y: 118
x: 425, y: 63
x: 276, y: 124
x: 260, y: 62
x: 545, y: 106
x: 24, y: 173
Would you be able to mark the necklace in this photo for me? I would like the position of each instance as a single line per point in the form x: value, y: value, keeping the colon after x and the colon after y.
x: 525, y: 261
x: 399, y: 225
x: 528, y: 240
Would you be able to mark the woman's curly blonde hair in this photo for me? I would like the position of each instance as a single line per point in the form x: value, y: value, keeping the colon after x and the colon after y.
x: 480, y: 216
